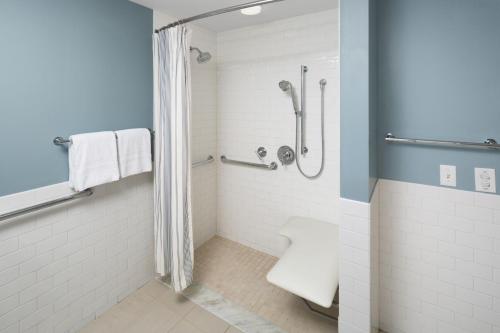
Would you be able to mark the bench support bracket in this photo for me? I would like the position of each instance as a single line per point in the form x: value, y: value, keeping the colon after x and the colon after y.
x: 319, y: 312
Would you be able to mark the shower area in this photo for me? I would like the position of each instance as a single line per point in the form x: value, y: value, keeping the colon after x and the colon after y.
x: 265, y: 129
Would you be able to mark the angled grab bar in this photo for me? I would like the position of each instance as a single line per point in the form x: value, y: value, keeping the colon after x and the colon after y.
x: 490, y: 144
x: 272, y: 166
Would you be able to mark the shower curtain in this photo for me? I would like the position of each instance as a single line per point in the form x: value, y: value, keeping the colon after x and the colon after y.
x: 172, y: 182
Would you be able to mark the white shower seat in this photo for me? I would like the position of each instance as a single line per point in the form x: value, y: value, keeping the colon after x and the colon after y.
x: 309, y: 268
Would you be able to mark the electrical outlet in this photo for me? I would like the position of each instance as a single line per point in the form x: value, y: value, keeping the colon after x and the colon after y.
x: 448, y: 175
x: 485, y: 180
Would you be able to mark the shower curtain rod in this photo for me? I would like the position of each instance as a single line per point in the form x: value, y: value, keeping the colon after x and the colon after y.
x: 218, y: 12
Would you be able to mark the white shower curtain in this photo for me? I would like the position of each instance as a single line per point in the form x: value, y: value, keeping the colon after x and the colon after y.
x: 172, y: 184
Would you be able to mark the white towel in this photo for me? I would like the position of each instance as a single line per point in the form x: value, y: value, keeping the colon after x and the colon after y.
x: 134, y: 151
x: 92, y: 160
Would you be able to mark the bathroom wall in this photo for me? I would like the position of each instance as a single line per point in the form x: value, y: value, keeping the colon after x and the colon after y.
x: 359, y: 209
x: 439, y: 259
x: 68, y: 66
x: 359, y: 98
x: 252, y: 111
x: 203, y: 131
x: 359, y: 258
x: 439, y: 79
x: 62, y: 267
x: 439, y: 247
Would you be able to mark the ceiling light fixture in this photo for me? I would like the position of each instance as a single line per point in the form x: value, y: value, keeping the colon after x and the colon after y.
x: 255, y: 10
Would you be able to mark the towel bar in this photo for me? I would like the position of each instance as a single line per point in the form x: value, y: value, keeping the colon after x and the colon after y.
x: 59, y: 140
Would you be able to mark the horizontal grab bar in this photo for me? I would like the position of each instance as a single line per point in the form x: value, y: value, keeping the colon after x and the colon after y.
x: 209, y: 159
x: 34, y: 208
x: 272, y: 166
x: 487, y: 144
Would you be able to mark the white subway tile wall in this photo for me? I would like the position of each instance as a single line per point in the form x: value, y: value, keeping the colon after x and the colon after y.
x: 359, y: 266
x: 252, y: 112
x: 63, y: 266
x: 204, y: 137
x: 439, y: 259
x: 203, y: 131
x: 375, y: 260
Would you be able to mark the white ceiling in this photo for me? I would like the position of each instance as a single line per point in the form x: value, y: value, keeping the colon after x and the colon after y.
x: 228, y: 21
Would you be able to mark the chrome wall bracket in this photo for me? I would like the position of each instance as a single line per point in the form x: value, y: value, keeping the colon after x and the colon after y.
x: 59, y: 141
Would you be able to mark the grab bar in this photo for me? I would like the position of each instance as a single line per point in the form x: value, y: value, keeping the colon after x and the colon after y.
x: 488, y: 143
x: 34, y: 208
x: 272, y: 166
x: 209, y: 159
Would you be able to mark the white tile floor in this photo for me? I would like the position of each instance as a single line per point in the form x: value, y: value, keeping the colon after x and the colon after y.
x: 155, y: 308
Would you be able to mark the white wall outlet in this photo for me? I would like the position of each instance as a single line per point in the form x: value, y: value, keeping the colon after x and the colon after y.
x: 448, y: 175
x: 485, y: 180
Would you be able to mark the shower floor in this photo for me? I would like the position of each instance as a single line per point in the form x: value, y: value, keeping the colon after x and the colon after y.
x: 238, y: 273
x: 155, y: 308
x: 230, y: 283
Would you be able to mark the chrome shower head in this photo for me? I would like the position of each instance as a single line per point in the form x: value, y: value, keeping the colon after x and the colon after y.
x: 202, y: 56
x: 287, y: 87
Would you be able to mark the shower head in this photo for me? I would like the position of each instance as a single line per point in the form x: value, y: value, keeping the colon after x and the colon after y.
x: 203, y: 57
x: 287, y: 87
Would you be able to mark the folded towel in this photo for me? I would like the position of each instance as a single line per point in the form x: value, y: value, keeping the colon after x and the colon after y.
x: 134, y: 151
x: 92, y: 160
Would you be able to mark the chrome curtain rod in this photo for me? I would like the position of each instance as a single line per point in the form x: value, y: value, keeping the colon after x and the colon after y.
x: 218, y: 12
x: 487, y: 144
x: 44, y: 205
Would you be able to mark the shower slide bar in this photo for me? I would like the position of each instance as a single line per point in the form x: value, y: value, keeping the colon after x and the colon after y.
x: 40, y: 206
x: 272, y: 166
x: 487, y: 144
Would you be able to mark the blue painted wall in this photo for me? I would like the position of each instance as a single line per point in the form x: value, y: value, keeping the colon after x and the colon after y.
x: 358, y: 167
x: 439, y: 77
x: 68, y: 66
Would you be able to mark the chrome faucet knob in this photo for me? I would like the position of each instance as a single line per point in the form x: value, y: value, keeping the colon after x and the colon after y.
x: 261, y: 153
x: 286, y: 155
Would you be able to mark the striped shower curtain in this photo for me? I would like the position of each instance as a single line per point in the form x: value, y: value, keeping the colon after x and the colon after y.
x: 172, y: 183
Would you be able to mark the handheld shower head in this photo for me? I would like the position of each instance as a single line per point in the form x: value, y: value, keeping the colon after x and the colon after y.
x: 287, y: 87
x: 203, y: 57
